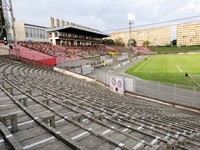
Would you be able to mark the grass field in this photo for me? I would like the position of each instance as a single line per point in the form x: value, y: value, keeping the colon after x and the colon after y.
x: 175, y: 49
x: 169, y: 69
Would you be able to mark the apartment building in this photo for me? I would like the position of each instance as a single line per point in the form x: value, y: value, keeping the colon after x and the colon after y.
x: 156, y: 36
x: 188, y: 34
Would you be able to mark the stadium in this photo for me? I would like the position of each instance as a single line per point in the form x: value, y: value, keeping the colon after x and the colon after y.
x: 63, y: 88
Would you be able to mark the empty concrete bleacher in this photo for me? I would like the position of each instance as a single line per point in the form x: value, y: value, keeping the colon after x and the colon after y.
x: 55, y: 111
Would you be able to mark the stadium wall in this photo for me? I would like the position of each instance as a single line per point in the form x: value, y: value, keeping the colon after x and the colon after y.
x: 4, y: 50
x: 26, y: 53
x: 79, y: 76
x: 164, y: 93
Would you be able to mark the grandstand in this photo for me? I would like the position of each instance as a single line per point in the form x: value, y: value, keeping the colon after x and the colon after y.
x: 142, y: 50
x: 68, y: 42
x: 65, y: 51
x: 43, y: 109
x: 74, y: 34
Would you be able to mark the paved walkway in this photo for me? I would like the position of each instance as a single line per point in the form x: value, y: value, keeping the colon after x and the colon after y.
x: 119, y: 71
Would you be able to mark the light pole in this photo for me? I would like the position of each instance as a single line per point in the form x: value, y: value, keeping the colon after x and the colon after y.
x: 131, y: 19
x: 13, y: 28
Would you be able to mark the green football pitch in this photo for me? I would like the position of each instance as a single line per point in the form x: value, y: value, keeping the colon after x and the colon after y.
x: 169, y: 69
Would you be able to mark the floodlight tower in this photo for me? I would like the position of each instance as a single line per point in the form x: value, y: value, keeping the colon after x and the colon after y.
x: 9, y: 21
x: 131, y: 19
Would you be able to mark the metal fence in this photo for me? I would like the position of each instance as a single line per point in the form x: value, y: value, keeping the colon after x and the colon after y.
x: 167, y: 93
x: 33, y: 55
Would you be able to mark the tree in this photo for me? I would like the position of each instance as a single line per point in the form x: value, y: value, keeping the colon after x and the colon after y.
x: 174, y: 42
x: 119, y: 42
x: 146, y: 43
x: 132, y: 42
x: 109, y: 41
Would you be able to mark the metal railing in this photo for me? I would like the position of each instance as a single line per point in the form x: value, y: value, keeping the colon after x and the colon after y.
x: 175, y: 94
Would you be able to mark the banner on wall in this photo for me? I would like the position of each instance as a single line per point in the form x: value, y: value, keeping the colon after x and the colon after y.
x: 117, y: 84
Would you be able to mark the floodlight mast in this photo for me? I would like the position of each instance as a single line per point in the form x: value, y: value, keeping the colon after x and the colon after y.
x: 131, y: 19
x: 8, y: 15
x: 13, y: 28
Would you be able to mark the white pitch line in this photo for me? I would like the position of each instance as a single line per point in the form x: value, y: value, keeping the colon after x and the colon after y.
x: 189, y: 76
x: 142, y: 65
x: 179, y: 68
x: 194, y: 80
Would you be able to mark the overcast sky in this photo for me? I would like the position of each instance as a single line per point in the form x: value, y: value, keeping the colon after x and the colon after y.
x: 104, y: 14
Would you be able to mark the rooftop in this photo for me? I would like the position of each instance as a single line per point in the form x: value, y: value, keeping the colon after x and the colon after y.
x: 78, y: 29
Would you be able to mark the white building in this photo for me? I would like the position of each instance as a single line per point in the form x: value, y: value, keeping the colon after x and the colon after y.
x: 29, y: 32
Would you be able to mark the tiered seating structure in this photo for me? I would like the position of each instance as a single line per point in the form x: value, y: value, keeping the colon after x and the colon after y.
x: 142, y: 50
x: 49, y: 110
x: 65, y: 51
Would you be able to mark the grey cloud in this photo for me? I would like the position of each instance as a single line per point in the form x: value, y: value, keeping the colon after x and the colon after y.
x: 103, y: 14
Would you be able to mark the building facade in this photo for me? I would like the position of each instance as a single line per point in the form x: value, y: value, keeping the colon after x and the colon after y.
x: 29, y: 32
x: 188, y: 34
x: 68, y: 38
x: 68, y: 33
x: 156, y: 36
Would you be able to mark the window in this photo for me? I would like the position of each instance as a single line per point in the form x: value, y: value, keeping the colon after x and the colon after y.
x: 43, y: 34
x: 26, y: 34
x: 34, y: 33
x: 38, y: 32
x: 30, y: 32
x: 26, y: 30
